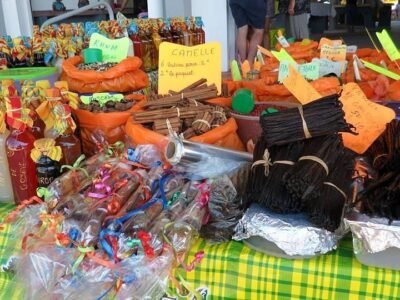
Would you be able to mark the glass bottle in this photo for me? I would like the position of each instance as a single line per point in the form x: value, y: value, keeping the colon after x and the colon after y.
x: 6, y: 190
x: 134, y: 36
x: 70, y: 146
x: 22, y: 169
x: 165, y: 33
x: 156, y: 38
x: 46, y: 171
x: 201, y: 35
x: 38, y: 126
x: 146, y: 49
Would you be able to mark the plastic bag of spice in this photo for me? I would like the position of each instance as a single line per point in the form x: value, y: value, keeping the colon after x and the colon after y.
x: 224, y: 135
x: 124, y: 77
x: 111, y: 124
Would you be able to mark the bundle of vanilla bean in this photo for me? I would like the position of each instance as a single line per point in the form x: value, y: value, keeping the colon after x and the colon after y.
x: 184, y: 111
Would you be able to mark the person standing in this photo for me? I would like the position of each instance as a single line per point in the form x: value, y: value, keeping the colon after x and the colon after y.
x: 248, y: 14
x: 297, y: 12
x: 270, y: 6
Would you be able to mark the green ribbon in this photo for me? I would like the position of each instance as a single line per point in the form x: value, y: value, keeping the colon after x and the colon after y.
x: 132, y: 243
x: 113, y: 149
x: 76, y: 166
x: 192, y: 291
x: 174, y: 197
x: 44, y: 193
x: 83, y: 251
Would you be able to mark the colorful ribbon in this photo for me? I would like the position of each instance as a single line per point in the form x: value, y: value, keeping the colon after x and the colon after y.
x: 46, y: 147
x: 76, y: 166
x: 13, y: 215
x: 84, y: 251
x: 44, y: 193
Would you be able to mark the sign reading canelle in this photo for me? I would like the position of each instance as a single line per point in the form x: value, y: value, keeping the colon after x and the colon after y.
x: 180, y: 66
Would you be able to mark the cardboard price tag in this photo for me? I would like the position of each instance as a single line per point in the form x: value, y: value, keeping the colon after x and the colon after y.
x: 327, y: 67
x: 310, y: 71
x: 334, y: 53
x: 381, y: 70
x: 282, y: 55
x: 299, y: 87
x: 113, y: 50
x: 388, y: 45
x: 179, y: 66
x: 369, y: 118
x: 326, y: 41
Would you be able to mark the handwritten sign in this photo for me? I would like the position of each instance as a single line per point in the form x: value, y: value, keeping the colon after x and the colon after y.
x: 265, y: 51
x: 113, y: 50
x: 180, y: 66
x: 334, y: 53
x: 351, y: 49
x: 327, y: 67
x: 369, y: 118
x: 283, y: 56
x: 329, y: 42
x: 310, y: 71
x: 102, y: 98
x: 388, y: 45
x: 299, y: 87
x: 235, y: 71
x: 381, y: 70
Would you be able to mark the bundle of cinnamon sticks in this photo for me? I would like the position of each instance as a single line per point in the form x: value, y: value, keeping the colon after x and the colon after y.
x: 186, y: 111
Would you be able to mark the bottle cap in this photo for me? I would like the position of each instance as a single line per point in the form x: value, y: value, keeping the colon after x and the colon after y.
x: 243, y: 101
x: 92, y: 55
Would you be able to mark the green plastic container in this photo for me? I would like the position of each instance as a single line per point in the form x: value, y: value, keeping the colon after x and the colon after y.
x: 34, y: 74
x: 92, y: 55
x: 243, y: 101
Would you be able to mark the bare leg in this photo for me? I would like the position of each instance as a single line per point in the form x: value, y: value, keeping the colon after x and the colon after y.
x: 267, y: 43
x: 241, y: 42
x: 256, y: 39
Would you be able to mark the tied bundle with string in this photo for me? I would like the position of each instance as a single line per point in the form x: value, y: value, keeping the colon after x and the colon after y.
x: 326, y: 204
x: 384, y: 153
x: 321, y: 117
x: 270, y: 191
x: 381, y: 195
x: 311, y: 170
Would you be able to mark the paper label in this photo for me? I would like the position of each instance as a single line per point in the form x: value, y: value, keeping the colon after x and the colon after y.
x: 102, y: 98
x: 310, y: 71
x: 326, y: 41
x: 334, y: 53
x: 368, y: 117
x: 282, y: 55
x: 265, y: 51
x: 235, y: 71
x: 180, y: 66
x: 327, y: 67
x: 388, y: 45
x: 351, y: 49
x: 113, y: 50
x: 381, y: 70
x: 283, y: 41
x: 299, y: 87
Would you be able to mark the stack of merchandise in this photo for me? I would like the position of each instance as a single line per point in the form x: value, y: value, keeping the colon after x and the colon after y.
x: 41, y: 138
x: 67, y: 40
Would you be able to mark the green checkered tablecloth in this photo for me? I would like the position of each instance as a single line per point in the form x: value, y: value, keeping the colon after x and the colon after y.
x: 233, y: 271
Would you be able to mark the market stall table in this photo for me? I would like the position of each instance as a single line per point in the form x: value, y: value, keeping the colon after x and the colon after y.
x: 234, y: 271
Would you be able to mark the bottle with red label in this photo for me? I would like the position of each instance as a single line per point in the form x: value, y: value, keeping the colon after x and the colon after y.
x: 18, y: 147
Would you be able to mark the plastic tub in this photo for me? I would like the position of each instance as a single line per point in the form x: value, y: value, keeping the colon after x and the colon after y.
x: 249, y: 126
x: 34, y: 74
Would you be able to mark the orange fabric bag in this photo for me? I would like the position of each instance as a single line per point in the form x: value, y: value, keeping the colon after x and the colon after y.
x: 122, y: 78
x: 111, y: 124
x: 223, y: 136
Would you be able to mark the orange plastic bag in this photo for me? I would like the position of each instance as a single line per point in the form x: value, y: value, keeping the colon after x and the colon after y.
x: 111, y: 124
x: 394, y: 91
x: 223, y: 136
x: 123, y: 78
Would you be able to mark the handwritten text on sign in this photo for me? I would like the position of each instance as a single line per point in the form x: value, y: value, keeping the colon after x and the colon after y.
x: 113, y: 50
x: 367, y: 117
x: 310, y: 71
x: 334, y: 53
x: 180, y: 66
